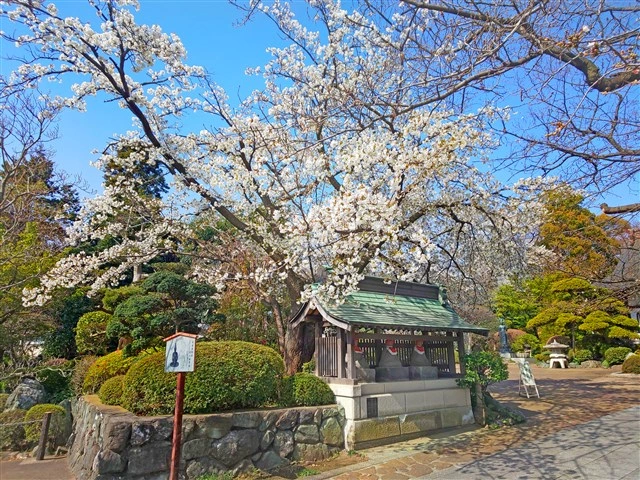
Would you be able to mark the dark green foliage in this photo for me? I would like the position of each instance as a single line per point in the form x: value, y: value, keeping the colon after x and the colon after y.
x: 66, y: 310
x: 484, y: 368
x: 582, y: 355
x: 110, y: 392
x: 310, y: 366
x: 56, y: 380
x: 106, y: 367
x: 91, y: 334
x: 56, y: 427
x: 12, y: 436
x: 228, y: 375
x: 305, y: 390
x: 631, y: 364
x: 167, y: 302
x: 616, y: 355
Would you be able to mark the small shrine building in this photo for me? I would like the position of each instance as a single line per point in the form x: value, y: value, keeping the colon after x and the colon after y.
x: 388, y: 352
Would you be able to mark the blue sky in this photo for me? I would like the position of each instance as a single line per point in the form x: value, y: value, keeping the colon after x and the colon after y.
x: 209, y: 31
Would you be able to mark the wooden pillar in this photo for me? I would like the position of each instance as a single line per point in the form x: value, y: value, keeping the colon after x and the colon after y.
x: 461, y: 352
x: 450, y: 355
x: 316, y: 354
x: 340, y: 353
x: 351, y: 367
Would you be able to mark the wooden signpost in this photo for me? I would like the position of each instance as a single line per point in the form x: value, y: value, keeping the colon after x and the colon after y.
x: 179, y: 358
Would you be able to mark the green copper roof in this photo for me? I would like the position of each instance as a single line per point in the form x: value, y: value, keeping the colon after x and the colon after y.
x: 365, y: 308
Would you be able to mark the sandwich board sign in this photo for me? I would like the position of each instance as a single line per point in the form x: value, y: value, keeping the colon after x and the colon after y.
x: 180, y: 353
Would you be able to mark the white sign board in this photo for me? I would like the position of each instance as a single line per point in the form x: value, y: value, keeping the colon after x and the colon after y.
x: 180, y: 354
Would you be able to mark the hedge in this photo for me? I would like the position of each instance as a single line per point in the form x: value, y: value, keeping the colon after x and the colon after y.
x: 616, y: 355
x: 228, y: 375
x: 12, y: 431
x: 110, y: 392
x: 106, y: 367
x: 56, y: 427
x: 305, y: 390
x: 631, y: 364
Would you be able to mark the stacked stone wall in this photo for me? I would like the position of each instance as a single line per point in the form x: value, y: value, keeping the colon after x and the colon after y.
x: 110, y: 443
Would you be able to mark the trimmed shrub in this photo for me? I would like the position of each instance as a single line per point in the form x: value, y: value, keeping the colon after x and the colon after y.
x: 582, y: 355
x: 12, y: 432
x: 3, y: 400
x: 110, y: 392
x: 91, y: 333
x: 106, y: 367
x: 631, y: 364
x: 56, y: 380
x: 616, y: 355
x: 56, y: 427
x: 306, y: 390
x: 543, y: 356
x: 228, y: 375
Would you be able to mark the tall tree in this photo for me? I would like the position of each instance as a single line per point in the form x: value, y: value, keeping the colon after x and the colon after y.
x: 333, y: 163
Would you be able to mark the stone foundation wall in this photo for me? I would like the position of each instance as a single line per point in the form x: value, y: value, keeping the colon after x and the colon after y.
x: 384, y: 413
x: 110, y: 443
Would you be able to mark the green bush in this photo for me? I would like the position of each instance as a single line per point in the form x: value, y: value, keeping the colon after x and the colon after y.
x: 12, y: 432
x: 110, y: 392
x: 527, y: 339
x: 56, y: 427
x: 91, y: 333
x: 3, y: 400
x: 543, y: 356
x: 616, y: 355
x: 56, y: 380
x: 582, y: 355
x: 306, y: 390
x: 106, y: 367
x: 228, y: 375
x: 631, y: 364
x: 310, y: 366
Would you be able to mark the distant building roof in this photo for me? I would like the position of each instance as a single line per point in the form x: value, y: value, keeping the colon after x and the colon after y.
x: 396, y: 305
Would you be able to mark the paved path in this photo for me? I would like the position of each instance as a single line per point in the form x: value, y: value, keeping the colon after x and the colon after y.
x: 51, y: 468
x: 604, y: 449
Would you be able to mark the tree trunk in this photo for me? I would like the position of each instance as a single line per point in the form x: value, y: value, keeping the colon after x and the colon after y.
x: 479, y: 413
x: 293, y: 349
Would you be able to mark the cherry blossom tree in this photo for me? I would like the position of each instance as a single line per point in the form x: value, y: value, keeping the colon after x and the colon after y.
x: 333, y: 163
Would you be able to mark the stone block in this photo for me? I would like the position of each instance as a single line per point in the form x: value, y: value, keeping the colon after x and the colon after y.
x: 236, y: 446
x: 203, y: 466
x: 311, y: 453
x: 451, y: 417
x: 245, y: 465
x: 151, y: 458
x: 268, y: 420
x: 163, y: 429
x: 108, y: 461
x: 345, y: 390
x: 456, y: 397
x: 214, y: 426
x: 246, y: 419
x: 423, y: 372
x: 267, y: 439
x: 420, y: 422
x: 392, y: 374
x: 283, y: 443
x: 374, y: 429
x: 287, y: 420
x: 141, y: 433
x: 372, y: 388
x: 388, y: 404
x: 404, y: 386
x: 270, y: 460
x: 306, y: 416
x: 414, y: 402
x: 331, y: 432
x: 433, y: 399
x: 366, y: 374
x: 198, y: 447
x: 116, y: 433
x: 351, y: 407
x: 307, y: 434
